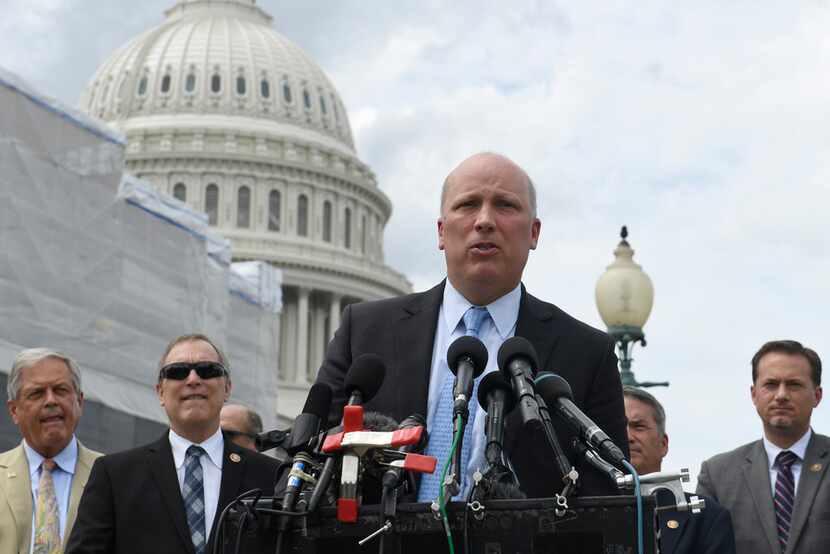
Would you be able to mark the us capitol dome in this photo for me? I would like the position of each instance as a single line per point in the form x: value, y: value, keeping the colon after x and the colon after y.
x: 229, y: 116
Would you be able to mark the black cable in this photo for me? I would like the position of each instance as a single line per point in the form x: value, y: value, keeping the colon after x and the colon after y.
x: 220, y: 522
x: 239, y: 532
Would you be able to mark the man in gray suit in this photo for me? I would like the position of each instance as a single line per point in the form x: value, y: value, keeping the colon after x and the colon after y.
x: 777, y: 488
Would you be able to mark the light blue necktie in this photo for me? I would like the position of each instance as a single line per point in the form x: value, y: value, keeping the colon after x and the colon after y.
x: 440, y: 440
x: 194, y: 497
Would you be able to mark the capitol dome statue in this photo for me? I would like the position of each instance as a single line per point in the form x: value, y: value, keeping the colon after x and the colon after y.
x: 227, y: 115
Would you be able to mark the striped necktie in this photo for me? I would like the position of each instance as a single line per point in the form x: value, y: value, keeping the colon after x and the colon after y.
x: 47, y: 524
x: 440, y: 440
x: 784, y: 495
x: 193, y: 492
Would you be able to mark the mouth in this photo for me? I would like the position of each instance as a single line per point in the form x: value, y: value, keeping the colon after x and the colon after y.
x: 484, y: 248
x: 57, y: 418
x: 194, y: 397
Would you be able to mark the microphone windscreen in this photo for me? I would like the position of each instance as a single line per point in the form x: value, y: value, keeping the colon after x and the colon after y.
x: 552, y: 387
x: 318, y: 401
x: 470, y: 347
x: 375, y: 421
x: 514, y: 347
x: 493, y: 381
x: 365, y: 375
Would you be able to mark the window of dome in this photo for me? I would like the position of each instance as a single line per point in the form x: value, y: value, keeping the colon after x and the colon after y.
x: 142, y: 86
x: 286, y: 92
x: 306, y: 99
x: 122, y: 86
x: 327, y: 221
x: 347, y: 228
x: 180, y: 192
x: 302, y: 215
x: 241, y: 86
x: 334, y: 109
x: 323, y: 105
x: 165, y: 84
x: 216, y: 83
x: 274, y: 206
x: 243, y: 207
x: 212, y: 203
x: 190, y: 83
x: 363, y: 235
x: 265, y: 88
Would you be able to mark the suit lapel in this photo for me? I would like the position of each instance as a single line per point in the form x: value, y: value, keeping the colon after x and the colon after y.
x: 756, y: 477
x: 233, y: 469
x: 672, y: 523
x: 812, y: 471
x: 160, y: 461
x: 82, y: 468
x: 18, y: 488
x: 535, y: 324
x: 414, y: 338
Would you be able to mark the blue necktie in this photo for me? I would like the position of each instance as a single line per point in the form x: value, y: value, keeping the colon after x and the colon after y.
x: 193, y: 492
x: 440, y: 440
x: 784, y: 499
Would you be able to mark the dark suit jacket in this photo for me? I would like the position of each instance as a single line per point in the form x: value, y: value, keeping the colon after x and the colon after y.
x: 402, y: 331
x: 132, y: 501
x: 739, y: 480
x: 707, y: 532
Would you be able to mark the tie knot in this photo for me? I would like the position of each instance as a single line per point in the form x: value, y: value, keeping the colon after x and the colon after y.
x: 473, y: 318
x: 194, y: 451
x: 785, y: 459
x: 49, y: 464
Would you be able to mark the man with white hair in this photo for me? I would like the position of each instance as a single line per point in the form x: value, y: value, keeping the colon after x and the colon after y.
x: 42, y: 479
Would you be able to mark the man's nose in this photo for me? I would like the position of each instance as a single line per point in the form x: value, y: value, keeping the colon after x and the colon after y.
x: 484, y: 217
x: 50, y: 397
x: 782, y: 392
x: 192, y: 378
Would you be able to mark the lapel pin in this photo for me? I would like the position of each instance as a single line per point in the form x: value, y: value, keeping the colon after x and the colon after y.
x: 815, y: 468
x: 672, y: 524
x: 235, y: 457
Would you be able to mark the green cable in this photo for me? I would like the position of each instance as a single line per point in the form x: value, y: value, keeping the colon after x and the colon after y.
x: 441, y: 506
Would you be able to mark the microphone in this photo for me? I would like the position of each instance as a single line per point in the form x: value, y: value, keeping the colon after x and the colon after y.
x: 392, y: 477
x: 302, y: 442
x: 517, y: 360
x: 557, y: 394
x: 466, y: 358
x: 364, y: 378
x: 495, y: 396
x: 270, y: 439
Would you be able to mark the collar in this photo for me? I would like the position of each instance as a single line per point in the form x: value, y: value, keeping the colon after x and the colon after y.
x: 214, y: 446
x: 799, y: 448
x: 504, y: 311
x: 66, y: 458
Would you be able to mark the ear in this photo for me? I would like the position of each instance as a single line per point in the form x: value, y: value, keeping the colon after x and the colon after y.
x: 81, y: 400
x: 664, y: 446
x: 12, y: 406
x: 160, y: 393
x: 535, y: 228
x: 228, y: 387
x: 440, y: 233
x: 819, y: 394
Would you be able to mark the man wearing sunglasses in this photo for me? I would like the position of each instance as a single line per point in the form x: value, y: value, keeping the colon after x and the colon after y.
x: 168, y: 496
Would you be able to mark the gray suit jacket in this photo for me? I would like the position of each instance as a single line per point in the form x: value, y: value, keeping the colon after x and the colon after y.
x: 16, y: 497
x: 739, y: 480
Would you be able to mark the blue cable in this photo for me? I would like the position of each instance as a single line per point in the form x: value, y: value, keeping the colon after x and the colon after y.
x: 637, y: 494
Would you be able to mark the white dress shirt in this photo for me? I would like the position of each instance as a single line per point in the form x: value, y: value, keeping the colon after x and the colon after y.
x: 500, y: 326
x: 61, y: 477
x: 799, y: 449
x: 211, y: 468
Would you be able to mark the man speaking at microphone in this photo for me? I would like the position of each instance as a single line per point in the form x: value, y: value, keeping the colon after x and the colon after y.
x: 486, y: 228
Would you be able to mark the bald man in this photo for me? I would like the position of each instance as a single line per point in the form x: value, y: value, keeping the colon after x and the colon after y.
x: 487, y: 227
x: 240, y: 424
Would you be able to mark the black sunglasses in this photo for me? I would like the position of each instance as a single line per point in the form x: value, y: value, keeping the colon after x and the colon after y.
x: 178, y: 371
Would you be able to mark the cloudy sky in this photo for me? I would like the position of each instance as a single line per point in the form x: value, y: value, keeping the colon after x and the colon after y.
x: 702, y: 127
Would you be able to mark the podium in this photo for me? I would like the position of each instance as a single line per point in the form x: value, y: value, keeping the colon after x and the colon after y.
x: 601, y: 525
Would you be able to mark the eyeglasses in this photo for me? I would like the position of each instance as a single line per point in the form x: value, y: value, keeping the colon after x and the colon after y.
x: 178, y: 371
x: 233, y: 434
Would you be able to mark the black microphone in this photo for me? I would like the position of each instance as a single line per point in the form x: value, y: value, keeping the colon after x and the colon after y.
x: 495, y: 396
x: 270, y: 439
x: 557, y: 394
x: 364, y: 378
x: 392, y: 476
x: 466, y: 358
x: 517, y: 360
x: 303, y: 441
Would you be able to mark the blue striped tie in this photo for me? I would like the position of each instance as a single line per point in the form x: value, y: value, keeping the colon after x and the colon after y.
x: 194, y: 497
x: 784, y: 495
x: 440, y: 440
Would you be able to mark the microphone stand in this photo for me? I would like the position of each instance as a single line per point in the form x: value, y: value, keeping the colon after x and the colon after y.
x: 569, y: 473
x: 452, y: 486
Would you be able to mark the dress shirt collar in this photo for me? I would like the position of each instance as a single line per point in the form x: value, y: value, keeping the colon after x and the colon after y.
x: 504, y: 311
x: 65, y: 459
x: 213, y: 446
x: 799, y: 448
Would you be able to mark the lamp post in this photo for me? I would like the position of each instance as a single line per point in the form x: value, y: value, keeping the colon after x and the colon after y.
x: 624, y: 296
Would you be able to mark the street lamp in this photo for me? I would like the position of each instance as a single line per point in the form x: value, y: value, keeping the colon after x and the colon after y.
x: 624, y: 296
